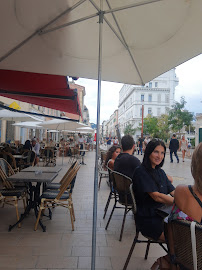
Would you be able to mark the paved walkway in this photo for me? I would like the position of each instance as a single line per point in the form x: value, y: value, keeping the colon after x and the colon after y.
x: 60, y: 248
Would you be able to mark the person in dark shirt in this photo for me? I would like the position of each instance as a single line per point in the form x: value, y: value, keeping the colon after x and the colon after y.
x: 152, y: 187
x: 125, y: 162
x: 140, y: 145
x: 174, y: 146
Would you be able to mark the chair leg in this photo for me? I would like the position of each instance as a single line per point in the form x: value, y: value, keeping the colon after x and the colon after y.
x: 123, y: 223
x: 73, y: 213
x: 131, y: 251
x: 17, y: 212
x: 147, y: 250
x: 110, y: 216
x: 39, y: 215
x: 71, y: 216
x: 107, y: 204
x: 100, y: 181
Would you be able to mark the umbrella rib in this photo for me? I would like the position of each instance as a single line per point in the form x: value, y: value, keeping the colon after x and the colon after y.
x: 126, y: 45
x: 121, y: 39
x: 68, y: 24
x: 38, y: 31
x: 132, y: 6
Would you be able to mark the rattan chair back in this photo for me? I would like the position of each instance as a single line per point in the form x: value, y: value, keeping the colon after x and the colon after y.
x: 5, y: 171
x: 68, y: 179
x: 178, y: 236
x: 122, y: 184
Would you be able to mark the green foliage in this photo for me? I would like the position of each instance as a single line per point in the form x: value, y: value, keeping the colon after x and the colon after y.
x: 150, y: 126
x: 163, y: 127
x: 157, y: 127
x: 178, y: 116
x: 129, y: 130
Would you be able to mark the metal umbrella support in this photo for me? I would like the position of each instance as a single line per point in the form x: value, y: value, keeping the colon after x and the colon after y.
x: 93, y: 257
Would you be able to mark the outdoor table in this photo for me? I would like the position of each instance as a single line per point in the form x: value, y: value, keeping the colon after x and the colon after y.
x: 37, y: 177
x: 19, y: 156
x: 42, y: 169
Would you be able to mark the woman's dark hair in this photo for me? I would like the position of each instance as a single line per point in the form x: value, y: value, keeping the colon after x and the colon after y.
x: 149, y: 149
x: 27, y: 145
x: 110, y: 153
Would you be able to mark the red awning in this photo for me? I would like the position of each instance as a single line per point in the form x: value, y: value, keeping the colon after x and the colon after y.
x: 45, y: 90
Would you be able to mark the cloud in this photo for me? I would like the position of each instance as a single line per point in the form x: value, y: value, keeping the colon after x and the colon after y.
x: 109, y: 98
x: 190, y: 84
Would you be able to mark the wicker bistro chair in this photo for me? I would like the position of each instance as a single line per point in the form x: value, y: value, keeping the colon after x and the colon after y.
x: 10, y: 194
x: 179, y: 240
x: 28, y: 159
x: 121, y: 184
x: 51, y: 198
x: 136, y: 238
x: 102, y: 170
x: 112, y: 194
x: 49, y: 157
x: 57, y: 186
x: 10, y: 159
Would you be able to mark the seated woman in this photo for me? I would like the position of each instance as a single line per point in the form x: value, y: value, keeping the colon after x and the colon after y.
x: 151, y: 187
x: 27, y: 145
x: 188, y: 199
x: 112, y: 153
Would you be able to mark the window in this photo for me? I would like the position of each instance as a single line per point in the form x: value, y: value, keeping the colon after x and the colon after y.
x: 167, y: 98
x: 150, y: 98
x: 159, y: 98
x: 142, y: 97
x: 158, y: 111
x: 150, y: 111
x: 156, y: 84
x: 150, y: 84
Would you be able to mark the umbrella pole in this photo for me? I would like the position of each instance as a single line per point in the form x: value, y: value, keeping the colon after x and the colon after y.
x: 93, y: 255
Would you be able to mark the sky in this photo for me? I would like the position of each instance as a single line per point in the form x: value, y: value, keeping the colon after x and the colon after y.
x: 190, y: 86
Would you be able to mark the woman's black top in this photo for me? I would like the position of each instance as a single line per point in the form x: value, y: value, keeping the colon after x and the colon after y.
x: 145, y: 181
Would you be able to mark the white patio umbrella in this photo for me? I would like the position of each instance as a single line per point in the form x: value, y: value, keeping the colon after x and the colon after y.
x: 141, y: 40
x: 33, y: 125
x: 16, y: 116
x: 85, y: 130
x: 61, y: 124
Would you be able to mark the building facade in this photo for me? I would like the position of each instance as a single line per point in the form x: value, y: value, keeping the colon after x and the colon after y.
x: 155, y: 98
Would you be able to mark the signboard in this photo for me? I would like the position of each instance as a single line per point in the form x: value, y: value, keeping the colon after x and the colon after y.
x: 14, y: 105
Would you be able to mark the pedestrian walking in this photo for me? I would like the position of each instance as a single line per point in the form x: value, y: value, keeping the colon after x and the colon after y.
x: 183, y: 146
x: 174, y: 146
x: 140, y: 145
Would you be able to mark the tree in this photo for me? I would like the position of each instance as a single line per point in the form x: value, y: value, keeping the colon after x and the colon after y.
x: 129, y: 130
x: 163, y: 127
x: 150, y: 126
x: 178, y: 116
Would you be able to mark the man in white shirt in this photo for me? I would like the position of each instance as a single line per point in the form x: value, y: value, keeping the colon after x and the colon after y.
x: 36, y: 149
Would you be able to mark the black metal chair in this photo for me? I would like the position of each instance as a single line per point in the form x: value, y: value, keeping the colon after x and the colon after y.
x: 121, y: 184
x: 179, y: 241
x: 112, y: 194
x: 136, y: 238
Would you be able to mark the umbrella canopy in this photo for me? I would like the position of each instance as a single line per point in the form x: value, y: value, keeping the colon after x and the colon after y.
x: 141, y: 39
x: 33, y: 125
x: 61, y: 124
x: 85, y: 130
x: 16, y: 116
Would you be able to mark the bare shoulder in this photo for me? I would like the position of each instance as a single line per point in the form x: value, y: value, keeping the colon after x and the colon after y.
x: 181, y: 191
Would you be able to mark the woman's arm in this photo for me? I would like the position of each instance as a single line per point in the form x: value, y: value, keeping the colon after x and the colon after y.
x: 161, y: 197
x: 169, y: 178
